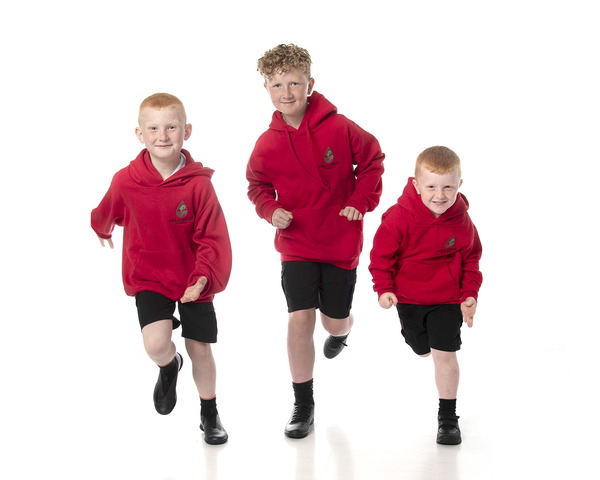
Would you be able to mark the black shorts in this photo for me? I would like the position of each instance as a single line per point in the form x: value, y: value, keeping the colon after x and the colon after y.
x: 431, y: 326
x: 198, y: 320
x: 318, y: 285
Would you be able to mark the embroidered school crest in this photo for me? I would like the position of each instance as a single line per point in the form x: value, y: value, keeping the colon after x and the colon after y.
x: 328, y: 155
x: 450, y: 243
x: 182, y: 210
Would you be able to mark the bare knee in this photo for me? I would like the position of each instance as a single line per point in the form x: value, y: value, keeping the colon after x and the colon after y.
x: 337, y: 326
x: 447, y: 360
x: 302, y: 320
x: 157, y: 339
x: 198, y: 350
x: 425, y: 355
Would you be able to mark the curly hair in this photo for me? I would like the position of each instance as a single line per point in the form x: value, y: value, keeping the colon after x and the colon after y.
x: 439, y: 160
x: 282, y: 59
x: 162, y: 101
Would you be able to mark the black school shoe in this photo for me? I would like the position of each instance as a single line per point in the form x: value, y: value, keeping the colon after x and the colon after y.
x: 165, y: 394
x: 300, y: 421
x: 448, y: 431
x: 214, y: 433
x: 334, y: 345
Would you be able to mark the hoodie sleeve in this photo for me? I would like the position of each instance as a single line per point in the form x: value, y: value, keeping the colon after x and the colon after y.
x: 384, y: 256
x: 471, y: 277
x: 368, y: 158
x: 109, y: 212
x: 213, y: 257
x: 261, y: 192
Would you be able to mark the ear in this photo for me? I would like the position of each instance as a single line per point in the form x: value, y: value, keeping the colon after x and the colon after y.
x: 188, y: 131
x: 459, y: 185
x: 139, y: 135
x: 311, y: 84
x: 416, y: 185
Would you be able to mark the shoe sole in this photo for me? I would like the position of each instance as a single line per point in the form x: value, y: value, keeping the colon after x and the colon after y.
x: 449, y: 440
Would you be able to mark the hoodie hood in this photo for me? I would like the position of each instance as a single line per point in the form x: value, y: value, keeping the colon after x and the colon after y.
x: 411, y: 202
x: 318, y: 109
x: 145, y: 174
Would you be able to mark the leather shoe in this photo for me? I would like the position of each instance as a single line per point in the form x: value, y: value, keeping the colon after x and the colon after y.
x: 214, y: 433
x: 299, y: 423
x: 448, y: 431
x: 334, y: 345
x: 165, y: 394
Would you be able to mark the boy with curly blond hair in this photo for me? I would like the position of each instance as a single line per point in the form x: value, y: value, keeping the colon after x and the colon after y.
x: 313, y: 175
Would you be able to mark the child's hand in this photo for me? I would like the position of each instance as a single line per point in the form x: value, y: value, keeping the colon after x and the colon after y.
x: 192, y: 293
x: 281, y: 218
x: 387, y: 300
x: 351, y: 213
x: 110, y: 242
x: 468, y: 308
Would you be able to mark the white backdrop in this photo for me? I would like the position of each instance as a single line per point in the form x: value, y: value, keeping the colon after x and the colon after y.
x: 512, y: 87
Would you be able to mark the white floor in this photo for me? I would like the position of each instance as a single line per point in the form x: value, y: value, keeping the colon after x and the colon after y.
x: 376, y: 411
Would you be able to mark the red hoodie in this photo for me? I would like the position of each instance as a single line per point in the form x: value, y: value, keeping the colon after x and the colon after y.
x: 174, y: 230
x: 426, y: 260
x: 328, y: 163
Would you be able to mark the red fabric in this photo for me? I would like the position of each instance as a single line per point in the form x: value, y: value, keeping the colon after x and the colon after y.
x: 426, y: 260
x: 328, y: 163
x: 174, y: 230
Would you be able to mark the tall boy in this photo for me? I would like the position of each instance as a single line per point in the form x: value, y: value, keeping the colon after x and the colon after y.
x: 313, y: 175
x: 175, y: 249
x: 425, y: 262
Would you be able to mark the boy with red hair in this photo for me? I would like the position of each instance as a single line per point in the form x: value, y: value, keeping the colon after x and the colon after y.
x: 425, y: 262
x: 176, y: 249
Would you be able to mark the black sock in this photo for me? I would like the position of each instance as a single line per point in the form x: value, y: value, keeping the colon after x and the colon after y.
x: 303, y: 393
x: 208, y: 408
x: 447, y: 407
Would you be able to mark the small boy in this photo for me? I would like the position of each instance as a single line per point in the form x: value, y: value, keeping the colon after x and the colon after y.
x: 175, y: 249
x: 425, y: 262
x: 313, y: 175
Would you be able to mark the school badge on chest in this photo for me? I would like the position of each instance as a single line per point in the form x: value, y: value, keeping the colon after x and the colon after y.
x: 450, y: 243
x: 182, y: 210
x: 328, y: 156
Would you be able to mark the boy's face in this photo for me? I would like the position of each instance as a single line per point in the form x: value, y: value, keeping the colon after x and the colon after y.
x: 289, y: 93
x: 163, y: 132
x: 438, y: 192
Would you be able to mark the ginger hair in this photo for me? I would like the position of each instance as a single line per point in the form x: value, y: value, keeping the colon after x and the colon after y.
x: 284, y: 58
x: 162, y: 101
x: 438, y: 160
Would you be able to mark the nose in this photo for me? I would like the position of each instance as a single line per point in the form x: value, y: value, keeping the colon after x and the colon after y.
x: 164, y: 135
x: 439, y: 194
x: 287, y: 91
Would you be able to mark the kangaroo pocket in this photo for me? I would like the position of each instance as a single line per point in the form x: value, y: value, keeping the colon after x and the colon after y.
x: 321, y: 235
x: 429, y: 283
x: 169, y: 268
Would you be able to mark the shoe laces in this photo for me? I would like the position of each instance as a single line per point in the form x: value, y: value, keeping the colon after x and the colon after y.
x: 336, y: 341
x: 301, y: 413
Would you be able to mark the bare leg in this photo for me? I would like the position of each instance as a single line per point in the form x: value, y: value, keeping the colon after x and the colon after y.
x: 157, y: 342
x: 204, y: 369
x: 447, y: 373
x: 337, y: 327
x: 300, y: 344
